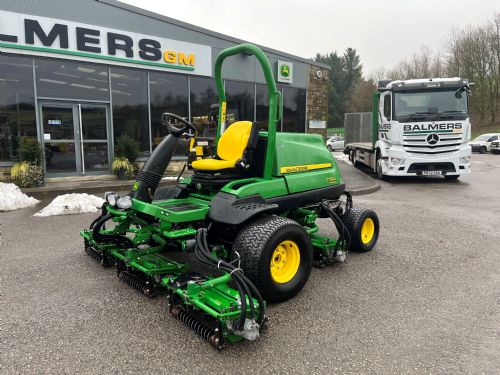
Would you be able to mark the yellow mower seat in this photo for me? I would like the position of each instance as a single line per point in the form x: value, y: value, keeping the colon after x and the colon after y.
x: 230, y: 148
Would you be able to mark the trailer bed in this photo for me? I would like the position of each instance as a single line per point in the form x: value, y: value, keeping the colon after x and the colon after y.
x: 368, y: 146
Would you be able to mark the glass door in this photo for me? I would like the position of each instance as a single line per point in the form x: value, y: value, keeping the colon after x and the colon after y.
x: 60, y: 144
x: 94, y: 138
x: 75, y: 138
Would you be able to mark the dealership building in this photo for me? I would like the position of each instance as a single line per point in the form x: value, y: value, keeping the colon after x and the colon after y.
x: 77, y: 75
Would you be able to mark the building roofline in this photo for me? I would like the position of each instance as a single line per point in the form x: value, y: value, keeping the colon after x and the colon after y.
x: 202, y: 30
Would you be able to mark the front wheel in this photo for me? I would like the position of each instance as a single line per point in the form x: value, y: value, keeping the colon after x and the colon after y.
x: 483, y: 150
x: 329, y: 148
x: 380, y: 173
x: 276, y: 255
x: 363, y: 226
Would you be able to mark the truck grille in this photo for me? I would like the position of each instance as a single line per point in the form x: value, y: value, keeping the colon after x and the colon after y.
x: 444, y: 167
x: 418, y: 144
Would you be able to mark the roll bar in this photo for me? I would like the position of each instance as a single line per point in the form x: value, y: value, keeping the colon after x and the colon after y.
x: 275, y: 98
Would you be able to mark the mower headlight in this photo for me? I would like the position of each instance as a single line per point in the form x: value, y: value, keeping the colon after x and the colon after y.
x: 465, y: 160
x: 110, y: 197
x: 397, y: 161
x: 124, y: 202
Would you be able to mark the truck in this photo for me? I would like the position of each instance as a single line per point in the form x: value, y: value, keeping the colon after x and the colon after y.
x: 417, y: 127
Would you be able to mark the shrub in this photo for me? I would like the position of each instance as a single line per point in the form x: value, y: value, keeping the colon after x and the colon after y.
x: 30, y: 150
x: 123, y: 164
x: 26, y: 174
x: 127, y: 147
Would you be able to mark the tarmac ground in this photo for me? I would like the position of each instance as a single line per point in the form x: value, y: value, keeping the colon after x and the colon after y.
x: 426, y: 300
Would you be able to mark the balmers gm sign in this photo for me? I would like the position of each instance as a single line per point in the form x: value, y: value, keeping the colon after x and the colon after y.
x: 26, y: 34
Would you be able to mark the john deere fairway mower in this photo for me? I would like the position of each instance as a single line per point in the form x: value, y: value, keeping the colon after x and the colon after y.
x: 248, y: 215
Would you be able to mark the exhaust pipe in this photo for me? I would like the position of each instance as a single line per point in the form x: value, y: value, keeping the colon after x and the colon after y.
x: 149, y: 177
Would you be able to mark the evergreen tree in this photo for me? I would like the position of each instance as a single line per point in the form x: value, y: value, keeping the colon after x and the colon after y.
x: 346, y: 71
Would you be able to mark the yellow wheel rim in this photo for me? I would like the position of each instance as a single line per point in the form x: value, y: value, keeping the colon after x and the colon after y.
x: 367, y: 231
x: 285, y: 262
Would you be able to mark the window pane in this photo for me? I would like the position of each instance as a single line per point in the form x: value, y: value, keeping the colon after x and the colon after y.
x: 240, y: 101
x: 60, y: 157
x: 130, y: 105
x: 387, y: 106
x: 262, y: 106
x: 169, y: 93
x: 17, y: 104
x: 204, y: 106
x: 57, y: 122
x: 96, y: 156
x: 94, y: 122
x: 294, y: 110
x: 72, y: 80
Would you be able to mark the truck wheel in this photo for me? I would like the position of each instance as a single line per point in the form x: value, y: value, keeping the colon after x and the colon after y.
x: 276, y: 255
x: 363, y: 226
x: 452, y: 177
x: 329, y: 148
x: 483, y: 150
x: 379, y: 171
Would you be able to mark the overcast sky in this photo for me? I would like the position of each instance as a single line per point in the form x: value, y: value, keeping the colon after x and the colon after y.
x: 383, y: 31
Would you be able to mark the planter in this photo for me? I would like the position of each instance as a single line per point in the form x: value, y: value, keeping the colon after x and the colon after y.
x: 122, y: 175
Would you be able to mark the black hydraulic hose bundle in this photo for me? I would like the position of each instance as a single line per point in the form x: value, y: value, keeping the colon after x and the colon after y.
x: 245, y: 287
x: 344, y: 240
x: 96, y: 227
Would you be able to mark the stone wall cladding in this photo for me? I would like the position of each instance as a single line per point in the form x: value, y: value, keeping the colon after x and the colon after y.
x: 317, y: 97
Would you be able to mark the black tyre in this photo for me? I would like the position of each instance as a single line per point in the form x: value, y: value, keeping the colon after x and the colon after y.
x: 363, y: 226
x: 277, y: 255
x: 452, y: 177
x: 379, y: 171
x: 496, y: 152
x: 329, y: 148
x: 483, y: 150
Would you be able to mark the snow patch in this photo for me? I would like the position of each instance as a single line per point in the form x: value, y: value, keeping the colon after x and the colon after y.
x: 343, y: 157
x: 12, y: 198
x: 69, y: 204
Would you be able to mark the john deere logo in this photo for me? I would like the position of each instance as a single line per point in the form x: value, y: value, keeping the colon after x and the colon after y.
x: 285, y: 70
x: 136, y: 186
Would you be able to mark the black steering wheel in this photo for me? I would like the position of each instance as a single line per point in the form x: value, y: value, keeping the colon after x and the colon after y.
x: 175, y: 130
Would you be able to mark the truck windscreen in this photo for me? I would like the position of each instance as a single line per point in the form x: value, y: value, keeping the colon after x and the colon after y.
x: 429, y: 105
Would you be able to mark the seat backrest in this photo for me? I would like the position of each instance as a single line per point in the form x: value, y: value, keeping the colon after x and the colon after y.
x: 234, y: 140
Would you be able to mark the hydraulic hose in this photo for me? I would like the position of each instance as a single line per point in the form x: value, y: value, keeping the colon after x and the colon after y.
x: 344, y: 240
x: 99, y: 237
x: 246, y: 288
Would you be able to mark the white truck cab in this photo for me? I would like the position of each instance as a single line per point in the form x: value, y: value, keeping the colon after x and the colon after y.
x: 419, y: 127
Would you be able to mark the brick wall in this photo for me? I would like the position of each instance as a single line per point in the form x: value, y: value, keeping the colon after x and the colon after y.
x: 317, y: 98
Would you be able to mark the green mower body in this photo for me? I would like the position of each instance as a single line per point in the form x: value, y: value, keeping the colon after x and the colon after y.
x: 253, y: 226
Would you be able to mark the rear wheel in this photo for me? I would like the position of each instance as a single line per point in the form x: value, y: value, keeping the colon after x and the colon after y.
x: 276, y: 255
x: 363, y: 226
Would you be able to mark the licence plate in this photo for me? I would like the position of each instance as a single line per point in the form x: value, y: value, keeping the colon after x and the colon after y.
x: 432, y: 173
